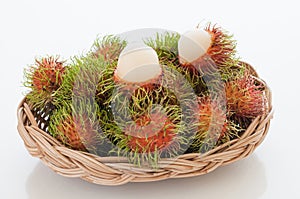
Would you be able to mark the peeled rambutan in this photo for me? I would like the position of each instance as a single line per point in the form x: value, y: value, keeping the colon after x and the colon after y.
x: 246, y: 97
x: 166, y: 47
x: 206, y: 50
x: 138, y: 67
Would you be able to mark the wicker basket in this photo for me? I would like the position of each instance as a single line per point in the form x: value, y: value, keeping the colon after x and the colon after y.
x: 117, y: 170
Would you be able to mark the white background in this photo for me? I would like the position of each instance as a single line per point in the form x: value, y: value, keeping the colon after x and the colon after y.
x: 268, y: 38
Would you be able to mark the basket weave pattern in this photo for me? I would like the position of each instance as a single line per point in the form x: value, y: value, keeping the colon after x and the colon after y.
x: 117, y: 170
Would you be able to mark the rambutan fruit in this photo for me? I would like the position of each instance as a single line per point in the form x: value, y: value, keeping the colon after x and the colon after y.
x: 150, y: 133
x: 166, y: 47
x: 92, y: 75
x: 211, y: 115
x: 214, y: 128
x: 47, y: 76
x: 146, y: 133
x: 174, y: 96
x: 246, y: 97
x: 44, y: 78
x: 86, y: 77
x: 108, y: 48
x: 206, y: 50
x: 138, y: 67
x: 74, y: 130
x: 150, y: 136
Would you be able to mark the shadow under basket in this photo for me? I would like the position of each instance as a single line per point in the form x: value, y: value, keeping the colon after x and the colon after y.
x: 117, y: 170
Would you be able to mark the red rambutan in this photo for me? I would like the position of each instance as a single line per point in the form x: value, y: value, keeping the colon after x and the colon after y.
x: 246, y: 97
x: 47, y: 74
x: 214, y: 128
x: 212, y: 119
x: 76, y: 132
x: 150, y: 133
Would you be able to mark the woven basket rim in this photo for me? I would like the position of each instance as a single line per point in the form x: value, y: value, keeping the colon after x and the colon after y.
x: 117, y: 170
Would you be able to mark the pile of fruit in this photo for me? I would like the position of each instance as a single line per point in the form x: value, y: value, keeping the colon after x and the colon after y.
x: 176, y: 94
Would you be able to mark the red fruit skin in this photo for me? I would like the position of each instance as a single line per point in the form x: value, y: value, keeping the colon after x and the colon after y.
x: 221, y: 49
x: 245, y: 97
x: 150, y: 134
x: 212, y: 118
x: 109, y: 52
x: 47, y: 76
x: 76, y: 135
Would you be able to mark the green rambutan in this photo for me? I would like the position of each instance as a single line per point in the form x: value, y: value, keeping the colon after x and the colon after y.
x: 108, y: 48
x: 86, y: 77
x: 92, y: 75
x: 166, y: 47
x: 246, y: 97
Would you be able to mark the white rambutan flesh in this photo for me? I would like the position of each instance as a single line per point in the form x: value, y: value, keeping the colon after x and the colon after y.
x: 193, y: 44
x: 137, y: 65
